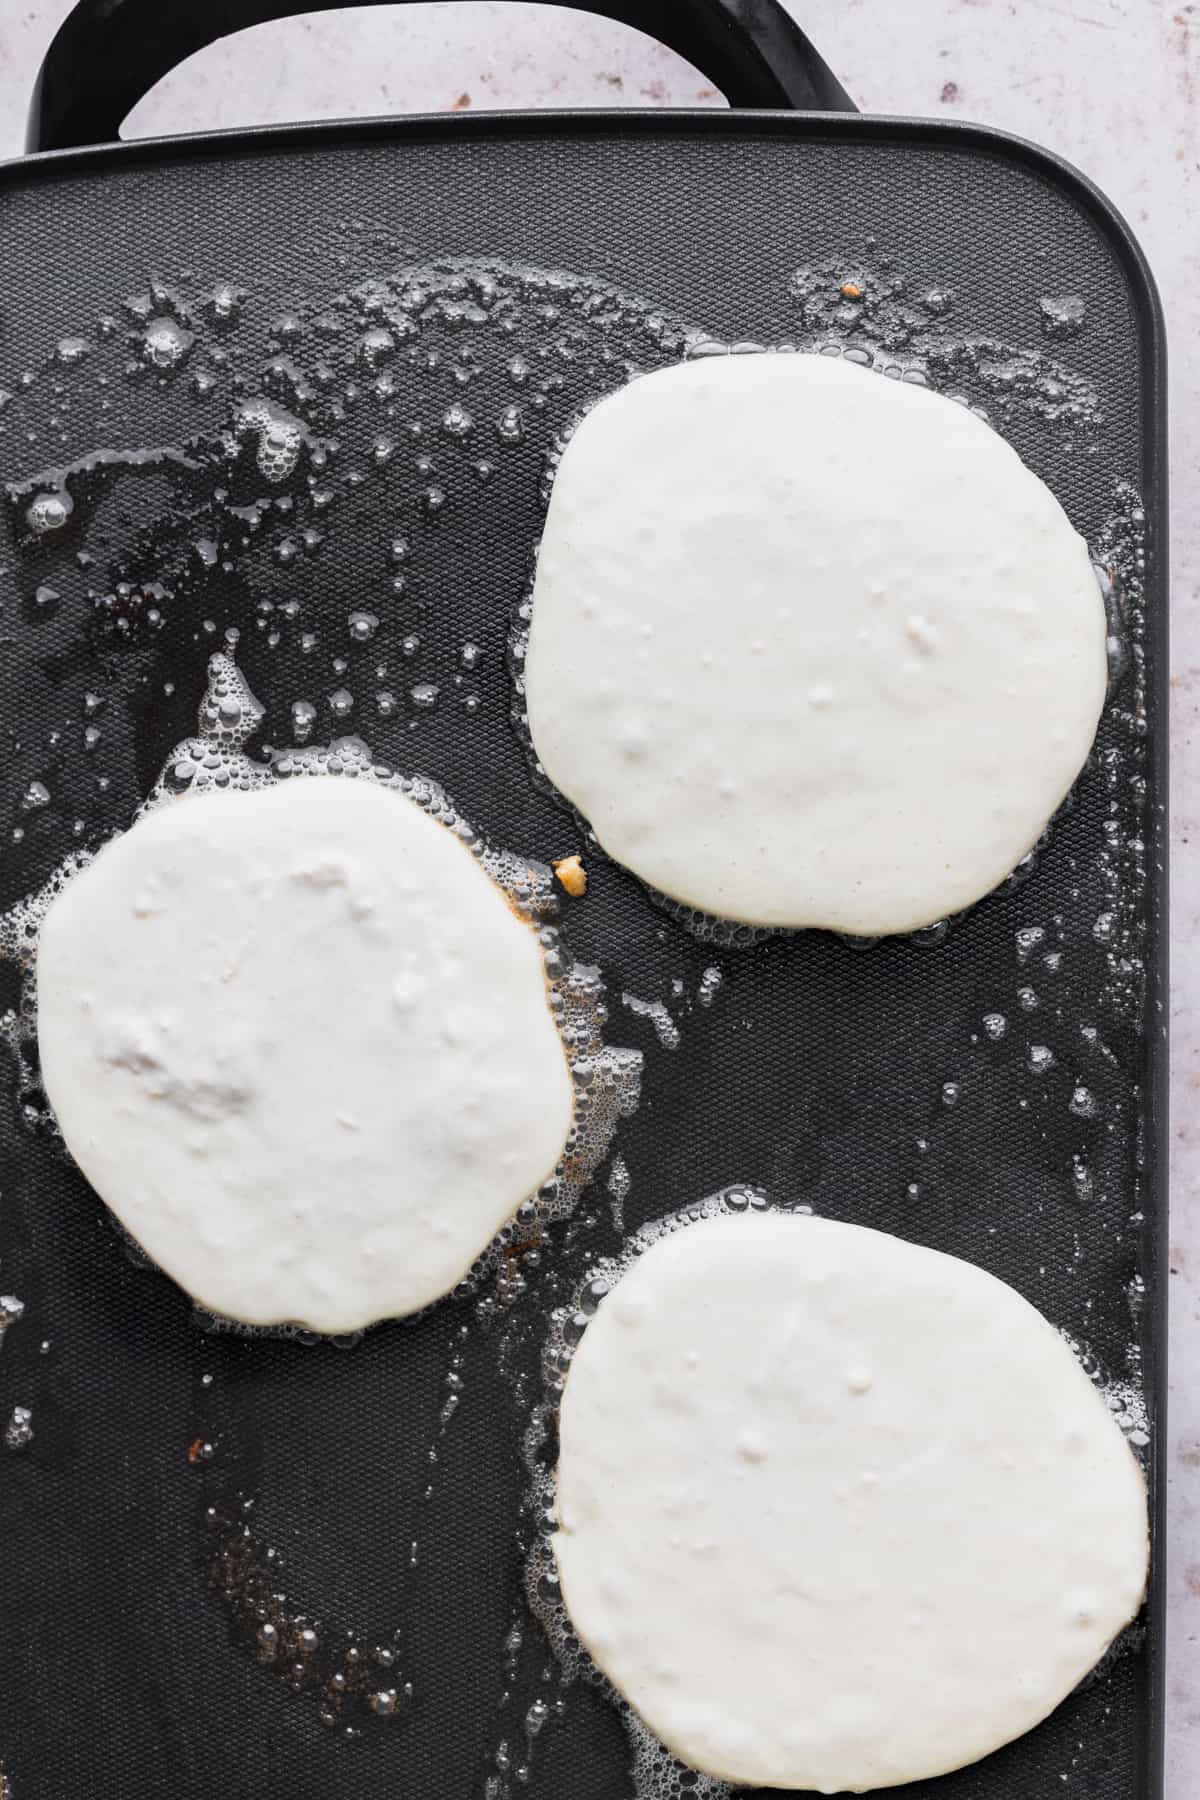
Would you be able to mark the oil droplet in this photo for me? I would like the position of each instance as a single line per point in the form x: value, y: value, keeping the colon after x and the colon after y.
x: 49, y: 512
x: 424, y: 694
x: 1063, y: 315
x: 1083, y: 1103
x: 11, y: 1311
x: 710, y: 985
x: 510, y: 426
x: 71, y: 350
x: 618, y: 1185
x: 362, y: 626
x: 1041, y: 1059
x: 166, y: 343
x: 376, y: 345
x: 1029, y: 937
x: 18, y: 1433
x: 341, y: 703
x: 995, y: 1025
x: 304, y: 717
x: 665, y: 1028
x: 224, y: 306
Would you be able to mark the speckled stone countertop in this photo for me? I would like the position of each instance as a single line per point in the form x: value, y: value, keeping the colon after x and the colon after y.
x: 1112, y: 85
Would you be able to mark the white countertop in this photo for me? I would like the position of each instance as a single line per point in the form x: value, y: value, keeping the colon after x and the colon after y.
x: 1112, y: 85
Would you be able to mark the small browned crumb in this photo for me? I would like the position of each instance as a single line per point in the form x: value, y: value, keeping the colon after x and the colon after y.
x: 572, y: 874
x: 512, y: 1250
x: 851, y: 290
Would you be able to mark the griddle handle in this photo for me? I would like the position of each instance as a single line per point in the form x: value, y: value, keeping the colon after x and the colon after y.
x: 109, y: 53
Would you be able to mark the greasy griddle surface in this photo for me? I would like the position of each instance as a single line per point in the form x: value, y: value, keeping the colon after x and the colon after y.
x: 818, y: 1071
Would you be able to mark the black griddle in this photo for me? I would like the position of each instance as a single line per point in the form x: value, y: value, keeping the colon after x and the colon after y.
x: 864, y: 1083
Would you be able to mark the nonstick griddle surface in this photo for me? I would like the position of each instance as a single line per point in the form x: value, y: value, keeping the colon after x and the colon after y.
x: 864, y: 1083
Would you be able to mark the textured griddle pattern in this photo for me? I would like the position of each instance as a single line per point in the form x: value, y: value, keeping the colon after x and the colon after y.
x: 818, y: 1070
